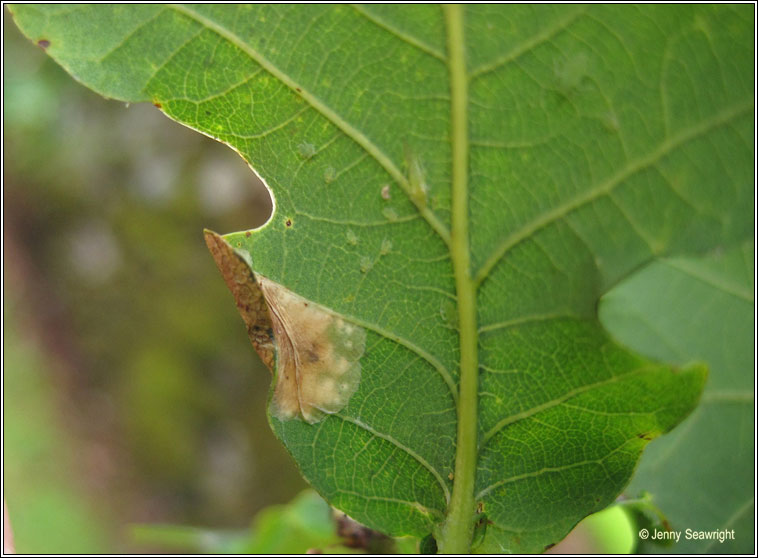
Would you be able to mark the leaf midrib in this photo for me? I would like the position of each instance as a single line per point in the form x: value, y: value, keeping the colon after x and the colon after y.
x: 456, y: 533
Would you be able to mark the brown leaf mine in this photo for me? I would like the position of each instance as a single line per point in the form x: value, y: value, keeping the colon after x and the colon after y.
x: 312, y: 352
x: 251, y: 304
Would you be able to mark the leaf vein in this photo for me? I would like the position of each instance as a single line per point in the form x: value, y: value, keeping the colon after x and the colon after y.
x: 600, y: 461
x: 743, y: 509
x: 429, y: 358
x: 557, y: 401
x: 142, y: 24
x: 545, y: 35
x: 271, y: 130
x: 527, y: 319
x: 399, y: 34
x: 604, y: 188
x: 403, y: 447
x: 724, y: 287
x: 348, y: 129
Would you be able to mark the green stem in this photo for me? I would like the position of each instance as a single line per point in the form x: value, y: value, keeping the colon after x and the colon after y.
x: 457, y: 531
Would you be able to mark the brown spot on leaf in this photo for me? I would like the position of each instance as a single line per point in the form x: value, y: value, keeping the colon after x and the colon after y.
x: 43, y: 43
x: 248, y: 234
x: 312, y: 355
x: 288, y: 223
x: 157, y: 105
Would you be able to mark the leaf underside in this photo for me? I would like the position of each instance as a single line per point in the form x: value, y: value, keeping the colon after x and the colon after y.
x: 598, y: 139
x: 660, y: 311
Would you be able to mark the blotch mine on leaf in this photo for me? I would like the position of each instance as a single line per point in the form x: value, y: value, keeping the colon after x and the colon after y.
x: 390, y: 214
x: 480, y: 530
x: 366, y: 264
x: 386, y: 192
x: 449, y: 313
x: 571, y: 72
x: 306, y: 150
x: 610, y: 121
x: 352, y: 239
x: 248, y: 296
x: 416, y: 178
x: 313, y: 354
x: 329, y: 174
x: 386, y: 247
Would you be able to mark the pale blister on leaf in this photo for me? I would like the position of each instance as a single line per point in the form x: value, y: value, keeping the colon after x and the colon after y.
x: 313, y: 354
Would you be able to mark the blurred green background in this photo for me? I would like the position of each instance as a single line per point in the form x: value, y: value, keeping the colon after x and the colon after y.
x: 131, y: 392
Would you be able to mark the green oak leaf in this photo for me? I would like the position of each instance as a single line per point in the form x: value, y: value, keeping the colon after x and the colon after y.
x: 660, y: 311
x: 463, y: 183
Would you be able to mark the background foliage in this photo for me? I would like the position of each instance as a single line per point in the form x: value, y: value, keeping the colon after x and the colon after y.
x: 152, y: 391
